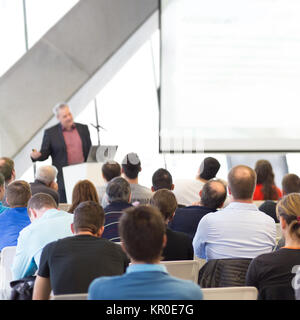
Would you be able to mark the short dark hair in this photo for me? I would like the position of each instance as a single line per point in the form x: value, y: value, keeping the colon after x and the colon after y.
x: 7, y: 167
x: 242, y: 182
x: 18, y: 193
x: 209, y: 168
x: 88, y: 216
x: 110, y: 170
x: 118, y: 189
x: 165, y: 201
x: 212, y: 197
x: 131, y: 165
x: 290, y: 183
x: 41, y: 200
x: 142, y: 230
x: 162, y: 179
x: 2, y: 180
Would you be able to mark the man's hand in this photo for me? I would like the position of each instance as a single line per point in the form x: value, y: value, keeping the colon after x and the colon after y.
x: 35, y: 154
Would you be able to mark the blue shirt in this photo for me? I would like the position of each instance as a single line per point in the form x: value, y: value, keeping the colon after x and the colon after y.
x: 53, y: 225
x: 144, y: 282
x: 12, y: 221
x: 239, y: 230
x: 2, y: 208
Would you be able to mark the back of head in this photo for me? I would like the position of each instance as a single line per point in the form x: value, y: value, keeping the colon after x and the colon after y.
x: 131, y: 165
x: 40, y: 201
x: 118, y: 189
x: 290, y: 183
x: 165, y: 201
x: 2, y: 180
x: 265, y: 176
x: 88, y: 216
x: 18, y: 193
x: 110, y: 170
x: 142, y: 231
x: 242, y: 182
x: 7, y: 167
x: 289, y: 209
x: 213, y: 194
x: 162, y: 179
x: 84, y: 190
x: 46, y: 174
x: 209, y: 168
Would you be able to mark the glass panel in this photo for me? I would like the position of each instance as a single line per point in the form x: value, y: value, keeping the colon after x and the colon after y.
x: 12, y: 37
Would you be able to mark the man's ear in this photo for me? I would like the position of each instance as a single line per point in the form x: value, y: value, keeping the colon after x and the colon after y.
x: 152, y: 189
x: 229, y: 190
x: 72, y: 228
x: 200, y: 193
x: 32, y: 214
x: 165, y: 240
x: 100, y: 232
x: 172, y: 186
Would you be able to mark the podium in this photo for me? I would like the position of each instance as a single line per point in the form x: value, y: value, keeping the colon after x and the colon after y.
x: 87, y: 170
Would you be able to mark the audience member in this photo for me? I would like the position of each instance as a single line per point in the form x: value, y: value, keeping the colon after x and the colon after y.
x: 131, y: 167
x: 187, y: 190
x: 7, y: 168
x: 179, y: 245
x: 271, y: 273
x: 162, y: 179
x: 110, y: 170
x: 14, y: 219
x: 84, y: 190
x: 142, y: 231
x: 212, y: 197
x: 48, y: 224
x: 69, y: 265
x: 118, y: 194
x: 240, y: 230
x: 290, y: 183
x: 2, y: 190
x: 265, y: 187
x: 45, y: 182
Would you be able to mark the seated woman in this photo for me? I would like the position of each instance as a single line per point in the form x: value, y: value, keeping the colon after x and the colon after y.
x: 265, y: 184
x: 273, y: 273
x: 84, y: 190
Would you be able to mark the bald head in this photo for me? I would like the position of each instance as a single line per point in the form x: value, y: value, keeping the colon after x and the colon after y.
x: 242, y: 182
x: 213, y: 194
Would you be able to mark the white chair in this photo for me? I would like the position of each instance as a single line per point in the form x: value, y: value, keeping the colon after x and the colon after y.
x: 6, y: 260
x: 278, y: 231
x: 230, y: 293
x: 183, y: 269
x: 64, y: 206
x: 75, y: 296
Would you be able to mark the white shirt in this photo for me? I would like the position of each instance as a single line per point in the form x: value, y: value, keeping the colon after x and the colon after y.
x: 187, y: 191
x: 238, y: 231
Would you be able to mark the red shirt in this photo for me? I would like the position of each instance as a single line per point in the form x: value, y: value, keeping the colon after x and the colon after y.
x: 258, y: 194
x: 74, y: 145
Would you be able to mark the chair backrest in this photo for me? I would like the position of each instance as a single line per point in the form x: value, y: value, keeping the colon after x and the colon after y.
x: 230, y: 293
x: 224, y: 273
x: 183, y: 269
x: 75, y: 296
x: 6, y: 260
x: 278, y: 231
x: 64, y: 206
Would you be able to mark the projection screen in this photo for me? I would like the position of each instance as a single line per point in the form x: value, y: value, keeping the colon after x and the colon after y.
x: 230, y: 76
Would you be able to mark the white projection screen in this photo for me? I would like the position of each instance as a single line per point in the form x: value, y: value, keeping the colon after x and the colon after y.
x: 230, y: 76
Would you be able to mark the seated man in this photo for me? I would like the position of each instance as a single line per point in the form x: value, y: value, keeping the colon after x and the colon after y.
x: 48, y: 224
x: 2, y: 190
x: 179, y: 245
x: 45, y: 182
x: 213, y: 195
x: 118, y: 195
x: 143, y: 235
x: 131, y: 167
x: 187, y: 190
x: 110, y: 170
x: 240, y: 230
x: 69, y: 265
x: 16, y: 218
x: 290, y: 183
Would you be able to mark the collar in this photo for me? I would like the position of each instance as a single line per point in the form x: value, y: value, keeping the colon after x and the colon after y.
x: 242, y: 206
x: 146, y: 267
x: 64, y: 129
x: 40, y: 182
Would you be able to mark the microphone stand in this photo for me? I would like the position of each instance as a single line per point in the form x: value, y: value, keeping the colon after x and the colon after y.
x: 97, y: 126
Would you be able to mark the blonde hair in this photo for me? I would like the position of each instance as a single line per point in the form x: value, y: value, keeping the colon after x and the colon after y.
x: 289, y: 208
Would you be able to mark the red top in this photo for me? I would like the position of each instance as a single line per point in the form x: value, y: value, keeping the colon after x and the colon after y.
x: 74, y: 145
x: 258, y: 194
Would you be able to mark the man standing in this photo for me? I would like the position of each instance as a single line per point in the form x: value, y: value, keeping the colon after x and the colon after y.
x: 67, y: 143
x: 239, y: 230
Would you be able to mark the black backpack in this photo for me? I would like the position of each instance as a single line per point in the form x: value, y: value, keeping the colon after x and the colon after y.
x: 22, y: 289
